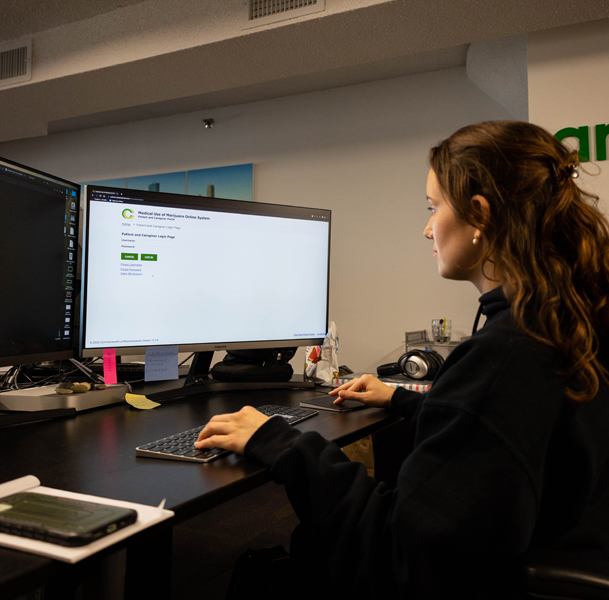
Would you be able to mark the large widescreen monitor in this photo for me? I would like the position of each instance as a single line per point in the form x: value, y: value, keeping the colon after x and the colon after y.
x: 201, y: 273
x: 38, y: 250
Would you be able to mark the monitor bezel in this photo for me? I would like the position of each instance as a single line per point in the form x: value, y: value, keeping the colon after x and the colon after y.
x: 225, y: 205
x: 53, y: 355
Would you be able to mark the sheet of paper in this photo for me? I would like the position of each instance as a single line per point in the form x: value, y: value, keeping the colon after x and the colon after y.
x: 141, y: 402
x: 110, y: 366
x: 146, y: 517
x: 16, y: 486
x: 161, y: 363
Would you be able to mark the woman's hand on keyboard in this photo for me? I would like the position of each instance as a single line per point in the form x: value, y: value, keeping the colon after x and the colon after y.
x: 367, y: 389
x: 232, y: 431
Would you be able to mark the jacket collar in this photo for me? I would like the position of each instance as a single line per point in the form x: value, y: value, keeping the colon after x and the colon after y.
x: 491, y: 304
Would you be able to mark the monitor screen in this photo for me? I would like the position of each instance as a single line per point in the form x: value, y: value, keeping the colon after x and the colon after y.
x: 201, y: 273
x: 38, y: 245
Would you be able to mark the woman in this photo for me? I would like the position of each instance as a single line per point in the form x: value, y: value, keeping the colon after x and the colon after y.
x: 509, y: 447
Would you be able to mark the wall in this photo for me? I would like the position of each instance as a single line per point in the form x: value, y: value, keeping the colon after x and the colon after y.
x: 499, y: 68
x: 569, y: 87
x: 360, y: 151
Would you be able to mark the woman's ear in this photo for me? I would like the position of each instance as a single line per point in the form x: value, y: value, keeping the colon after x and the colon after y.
x: 481, y: 209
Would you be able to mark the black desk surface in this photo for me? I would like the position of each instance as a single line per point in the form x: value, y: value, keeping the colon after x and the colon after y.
x: 94, y: 452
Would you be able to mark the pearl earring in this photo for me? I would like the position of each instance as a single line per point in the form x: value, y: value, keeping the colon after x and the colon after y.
x: 476, y: 240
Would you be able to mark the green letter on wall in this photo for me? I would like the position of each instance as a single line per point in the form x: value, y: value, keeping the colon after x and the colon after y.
x: 601, y: 141
x: 581, y: 133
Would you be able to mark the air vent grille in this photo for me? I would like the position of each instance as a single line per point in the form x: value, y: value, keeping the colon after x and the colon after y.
x: 15, y: 62
x: 261, y: 12
x: 264, y: 8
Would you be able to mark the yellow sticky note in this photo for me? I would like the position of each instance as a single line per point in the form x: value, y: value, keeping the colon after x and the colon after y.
x: 141, y: 402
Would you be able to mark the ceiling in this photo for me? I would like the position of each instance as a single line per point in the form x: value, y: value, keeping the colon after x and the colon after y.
x: 26, y: 17
x: 351, y: 42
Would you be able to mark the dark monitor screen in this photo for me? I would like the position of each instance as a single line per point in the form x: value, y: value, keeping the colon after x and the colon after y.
x: 201, y: 273
x: 38, y: 246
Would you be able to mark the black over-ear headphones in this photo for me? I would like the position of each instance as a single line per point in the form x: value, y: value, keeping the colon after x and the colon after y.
x: 416, y: 364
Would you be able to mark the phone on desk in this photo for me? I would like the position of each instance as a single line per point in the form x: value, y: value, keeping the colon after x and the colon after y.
x: 327, y: 403
x: 61, y: 521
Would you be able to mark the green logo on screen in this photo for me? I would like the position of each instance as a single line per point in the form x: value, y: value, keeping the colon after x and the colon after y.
x: 128, y: 214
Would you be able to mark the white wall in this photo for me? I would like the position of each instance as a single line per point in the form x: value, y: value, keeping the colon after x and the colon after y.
x: 499, y: 68
x: 569, y: 87
x: 360, y: 151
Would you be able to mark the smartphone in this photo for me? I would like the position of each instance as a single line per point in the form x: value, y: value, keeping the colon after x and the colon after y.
x: 327, y: 403
x: 61, y: 520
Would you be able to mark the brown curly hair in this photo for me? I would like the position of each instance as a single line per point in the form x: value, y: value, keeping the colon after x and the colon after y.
x: 547, y: 241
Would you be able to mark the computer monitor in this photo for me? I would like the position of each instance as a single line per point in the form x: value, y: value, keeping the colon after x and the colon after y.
x: 38, y: 246
x: 201, y: 273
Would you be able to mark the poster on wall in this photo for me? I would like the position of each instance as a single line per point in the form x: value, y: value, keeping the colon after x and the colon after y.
x: 235, y: 182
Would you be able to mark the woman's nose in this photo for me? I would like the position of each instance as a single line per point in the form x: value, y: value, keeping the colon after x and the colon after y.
x: 428, y: 232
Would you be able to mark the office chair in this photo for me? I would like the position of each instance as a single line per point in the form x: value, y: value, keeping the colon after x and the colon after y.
x: 560, y: 575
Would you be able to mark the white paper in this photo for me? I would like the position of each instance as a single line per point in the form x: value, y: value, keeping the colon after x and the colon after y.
x: 161, y: 363
x: 18, y: 485
x: 146, y: 517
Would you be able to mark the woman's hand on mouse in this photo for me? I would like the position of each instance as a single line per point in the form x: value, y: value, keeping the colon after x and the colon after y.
x: 231, y: 431
x: 367, y: 389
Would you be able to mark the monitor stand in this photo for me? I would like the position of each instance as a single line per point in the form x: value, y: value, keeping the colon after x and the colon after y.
x: 198, y: 381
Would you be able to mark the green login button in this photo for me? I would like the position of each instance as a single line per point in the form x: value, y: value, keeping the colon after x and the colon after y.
x: 128, y: 256
x: 149, y: 256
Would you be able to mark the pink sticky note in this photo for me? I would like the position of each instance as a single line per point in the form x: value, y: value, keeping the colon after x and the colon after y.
x: 110, y: 366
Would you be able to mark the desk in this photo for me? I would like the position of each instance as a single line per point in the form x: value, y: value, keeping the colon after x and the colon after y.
x: 94, y: 453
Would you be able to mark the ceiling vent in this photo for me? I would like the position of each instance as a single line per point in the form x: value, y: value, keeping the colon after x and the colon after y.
x: 15, y: 62
x: 263, y: 12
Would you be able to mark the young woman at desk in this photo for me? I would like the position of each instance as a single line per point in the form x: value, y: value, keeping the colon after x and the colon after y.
x: 509, y: 447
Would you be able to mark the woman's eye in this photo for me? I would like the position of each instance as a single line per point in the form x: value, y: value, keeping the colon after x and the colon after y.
x: 432, y: 209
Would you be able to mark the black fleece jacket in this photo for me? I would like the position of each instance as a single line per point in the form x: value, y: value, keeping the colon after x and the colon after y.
x: 499, y: 461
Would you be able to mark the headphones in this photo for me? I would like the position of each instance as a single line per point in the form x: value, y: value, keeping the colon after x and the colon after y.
x: 416, y: 364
